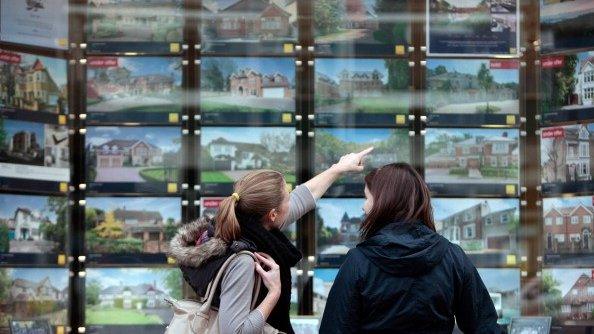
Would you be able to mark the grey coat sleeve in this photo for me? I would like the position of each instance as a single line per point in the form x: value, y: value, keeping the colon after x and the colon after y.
x: 301, y: 201
x: 237, y: 285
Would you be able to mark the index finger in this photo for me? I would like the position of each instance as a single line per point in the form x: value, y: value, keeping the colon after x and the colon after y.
x: 267, y: 260
x: 365, y: 151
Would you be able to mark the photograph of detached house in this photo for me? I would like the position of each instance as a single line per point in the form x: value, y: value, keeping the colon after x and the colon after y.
x: 227, y: 154
x: 472, y: 86
x: 134, y: 20
x: 337, y: 225
x: 567, y: 153
x: 568, y: 294
x: 479, y: 226
x: 568, y: 226
x: 132, y: 84
x: 567, y: 82
x: 131, y: 296
x: 566, y: 24
x: 33, y: 224
x: 362, y: 85
x: 472, y: 156
x: 361, y: 21
x: 131, y: 225
x: 249, y: 20
x: 34, y: 83
x: 389, y: 146
x: 322, y: 283
x: 30, y: 294
x: 132, y: 154
x: 504, y: 289
x: 247, y: 85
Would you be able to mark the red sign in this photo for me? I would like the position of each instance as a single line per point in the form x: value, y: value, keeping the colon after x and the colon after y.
x: 504, y: 64
x: 10, y: 57
x: 557, y: 132
x: 553, y: 61
x: 103, y: 61
x: 211, y: 203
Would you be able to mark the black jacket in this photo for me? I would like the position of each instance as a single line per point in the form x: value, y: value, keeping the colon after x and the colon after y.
x: 408, y: 279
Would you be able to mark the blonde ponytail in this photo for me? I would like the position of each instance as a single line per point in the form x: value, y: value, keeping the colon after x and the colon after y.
x: 227, y: 225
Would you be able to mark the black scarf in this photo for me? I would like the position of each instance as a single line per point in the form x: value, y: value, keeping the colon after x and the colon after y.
x: 274, y: 243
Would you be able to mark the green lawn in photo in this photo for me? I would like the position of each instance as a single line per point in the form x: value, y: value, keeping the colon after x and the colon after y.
x: 165, y: 108
x: 158, y: 174
x: 381, y: 105
x: 215, y: 177
x: 211, y: 106
x: 118, y: 316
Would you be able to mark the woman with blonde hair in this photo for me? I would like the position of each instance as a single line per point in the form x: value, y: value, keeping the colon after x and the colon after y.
x: 252, y: 219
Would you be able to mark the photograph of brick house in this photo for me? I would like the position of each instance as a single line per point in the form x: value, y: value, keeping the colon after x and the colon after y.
x: 479, y: 225
x: 472, y: 86
x: 567, y: 153
x: 361, y: 85
x: 134, y: 84
x: 227, y: 155
x: 34, y: 294
x: 472, y: 156
x: 569, y: 294
x: 578, y: 303
x: 131, y: 296
x: 337, y: 227
x: 34, y: 83
x: 132, y: 154
x: 568, y: 224
x: 130, y: 225
x: 239, y: 85
x: 134, y: 21
x: 249, y: 20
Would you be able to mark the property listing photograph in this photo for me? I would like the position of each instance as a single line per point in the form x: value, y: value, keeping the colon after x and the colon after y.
x: 566, y: 24
x: 569, y: 294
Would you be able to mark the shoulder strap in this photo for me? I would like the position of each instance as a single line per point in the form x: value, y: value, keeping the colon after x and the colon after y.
x: 215, y: 283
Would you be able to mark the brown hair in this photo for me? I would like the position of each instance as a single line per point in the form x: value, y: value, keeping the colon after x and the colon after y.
x: 259, y: 192
x: 399, y: 194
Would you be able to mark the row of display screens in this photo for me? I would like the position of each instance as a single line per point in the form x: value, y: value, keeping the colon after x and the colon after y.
x: 118, y: 300
x: 253, y: 90
x: 125, y: 160
x: 34, y: 229
x: 454, y: 27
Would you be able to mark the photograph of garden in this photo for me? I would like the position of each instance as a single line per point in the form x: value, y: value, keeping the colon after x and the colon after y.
x: 390, y: 145
x: 567, y: 294
x: 134, y: 84
x: 337, y: 226
x: 132, y: 154
x: 566, y: 24
x: 33, y: 294
x: 472, y: 86
x: 479, y: 226
x: 504, y: 289
x: 239, y: 85
x: 362, y: 85
x: 472, y: 156
x: 130, y: 225
x: 361, y: 21
x: 131, y: 296
x: 46, y: 88
x: 227, y: 154
x: 33, y: 224
x: 134, y: 20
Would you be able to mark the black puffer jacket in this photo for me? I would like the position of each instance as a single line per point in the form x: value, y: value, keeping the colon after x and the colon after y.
x: 408, y: 279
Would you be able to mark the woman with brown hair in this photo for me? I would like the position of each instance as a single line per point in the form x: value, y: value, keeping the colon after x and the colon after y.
x: 404, y: 277
x: 251, y: 219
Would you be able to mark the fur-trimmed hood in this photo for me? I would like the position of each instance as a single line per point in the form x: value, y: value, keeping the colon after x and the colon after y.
x: 183, y: 247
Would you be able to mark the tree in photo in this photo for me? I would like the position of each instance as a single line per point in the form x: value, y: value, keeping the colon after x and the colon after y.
x: 110, y: 228
x: 557, y: 85
x: 398, y: 74
x: 326, y: 235
x: 57, y: 232
x: 170, y: 228
x: 92, y: 291
x: 551, y: 294
x: 389, y: 31
x: 486, y: 81
x: 328, y: 15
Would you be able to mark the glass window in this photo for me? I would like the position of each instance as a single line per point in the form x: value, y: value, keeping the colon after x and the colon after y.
x: 574, y: 219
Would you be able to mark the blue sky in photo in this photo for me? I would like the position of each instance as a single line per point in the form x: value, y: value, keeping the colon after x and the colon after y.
x: 332, y: 209
x: 241, y: 134
x: 11, y: 127
x: 559, y: 202
x: 432, y: 133
x: 333, y: 66
x: 444, y: 207
x: 58, y: 276
x: 359, y: 135
x: 163, y: 137
x: 472, y: 66
x: 169, y: 207
x: 325, y: 274
x: 581, y: 57
x: 500, y: 279
x: 128, y: 276
x: 141, y: 66
x: 10, y: 202
x: 567, y: 277
x: 57, y: 68
x: 264, y: 65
